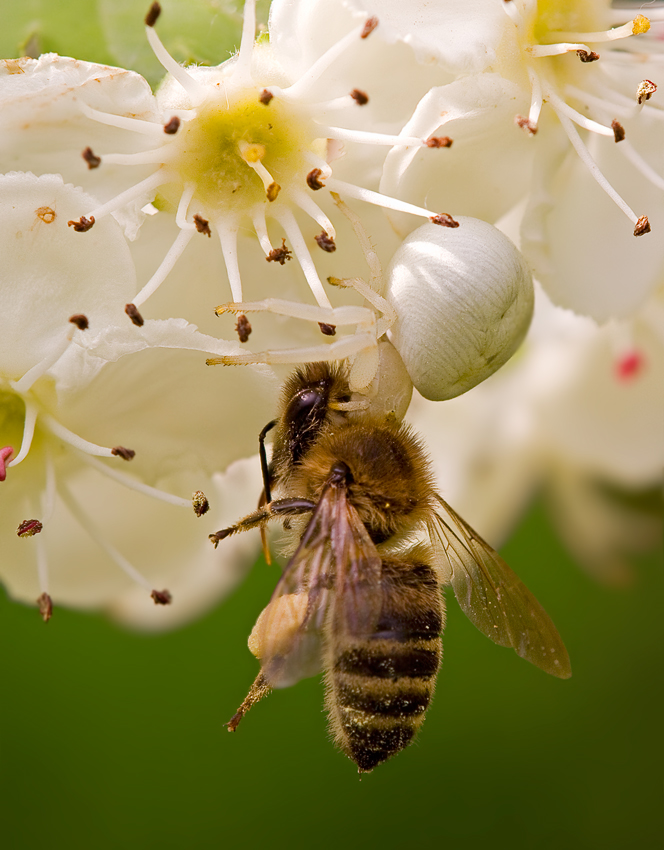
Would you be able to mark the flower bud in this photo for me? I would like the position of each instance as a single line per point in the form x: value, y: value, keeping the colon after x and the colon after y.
x: 464, y: 300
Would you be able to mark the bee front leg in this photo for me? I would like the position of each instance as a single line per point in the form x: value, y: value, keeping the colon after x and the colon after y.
x: 258, y: 690
x: 272, y: 510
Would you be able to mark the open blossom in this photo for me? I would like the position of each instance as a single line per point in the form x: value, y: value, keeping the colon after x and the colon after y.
x: 106, y: 430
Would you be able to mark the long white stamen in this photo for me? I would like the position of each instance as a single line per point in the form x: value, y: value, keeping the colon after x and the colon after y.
x: 376, y: 198
x: 161, y: 155
x: 42, y: 563
x: 260, y: 226
x: 343, y: 102
x: 132, y: 484
x: 33, y: 374
x: 312, y: 209
x: 183, y: 208
x: 347, y: 315
x: 243, y: 63
x: 540, y: 50
x: 593, y: 168
x: 370, y: 255
x: 320, y: 163
x: 299, y: 89
x: 287, y: 220
x: 173, y: 255
x: 536, y: 99
x: 228, y: 240
x: 604, y: 105
x: 365, y: 137
x: 338, y: 350
x: 28, y: 431
x: 137, y: 125
x: 587, y: 123
x: 146, y: 186
x: 91, y: 529
x: 48, y: 495
x: 641, y: 165
x: 513, y: 12
x: 188, y: 83
x: 639, y: 25
x: 67, y: 436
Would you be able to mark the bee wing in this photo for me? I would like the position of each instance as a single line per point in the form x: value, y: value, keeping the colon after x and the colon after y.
x: 334, y: 573
x: 495, y: 599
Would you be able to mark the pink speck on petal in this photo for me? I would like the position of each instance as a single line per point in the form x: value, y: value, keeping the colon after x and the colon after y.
x: 5, y: 454
x: 629, y: 365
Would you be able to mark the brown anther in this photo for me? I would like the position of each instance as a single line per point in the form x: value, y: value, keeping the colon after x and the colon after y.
x: 200, y: 503
x: 46, y: 214
x: 83, y: 224
x: 587, y: 56
x: 29, y: 527
x: 361, y: 98
x: 313, y: 179
x: 81, y: 321
x: 444, y: 219
x: 369, y: 27
x: 161, y: 597
x: 91, y: 158
x: 642, y: 226
x: 125, y: 454
x: 328, y: 330
x: 525, y: 124
x: 265, y: 97
x: 326, y: 242
x: 45, y: 605
x: 132, y: 311
x: 645, y: 90
x: 439, y: 142
x: 618, y: 130
x: 202, y: 225
x: 243, y: 328
x: 172, y: 126
x: 272, y: 192
x: 279, y: 255
x: 152, y: 15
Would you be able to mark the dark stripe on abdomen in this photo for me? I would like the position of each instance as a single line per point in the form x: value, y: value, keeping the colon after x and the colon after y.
x: 366, y: 660
x: 397, y: 704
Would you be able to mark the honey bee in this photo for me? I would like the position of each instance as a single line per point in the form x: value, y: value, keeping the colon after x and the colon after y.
x: 361, y: 595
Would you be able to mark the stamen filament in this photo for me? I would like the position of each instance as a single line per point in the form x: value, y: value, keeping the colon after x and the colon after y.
x: 346, y: 315
x: 288, y: 222
x: 320, y: 163
x: 540, y: 50
x: 536, y: 99
x: 183, y: 208
x: 29, y: 422
x: 593, y: 168
x: 42, y: 563
x: 639, y: 25
x: 312, y: 209
x: 299, y: 89
x: 228, y: 240
x: 340, y: 349
x: 243, y: 62
x: 146, y: 186
x: 260, y: 226
x: 587, y: 123
x: 173, y: 255
x: 641, y: 165
x: 188, y: 83
x: 365, y: 137
x: 161, y: 155
x: 58, y: 430
x: 132, y: 484
x: 137, y: 125
x: 35, y: 372
x: 48, y: 495
x: 362, y: 194
x: 91, y: 529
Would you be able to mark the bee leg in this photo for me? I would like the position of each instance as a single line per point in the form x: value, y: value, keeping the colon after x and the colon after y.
x: 277, y: 508
x: 258, y: 690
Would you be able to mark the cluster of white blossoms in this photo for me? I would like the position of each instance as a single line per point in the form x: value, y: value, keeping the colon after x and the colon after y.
x: 278, y: 189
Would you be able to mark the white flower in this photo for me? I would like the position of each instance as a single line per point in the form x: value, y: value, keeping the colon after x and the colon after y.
x: 81, y: 391
x: 552, y: 107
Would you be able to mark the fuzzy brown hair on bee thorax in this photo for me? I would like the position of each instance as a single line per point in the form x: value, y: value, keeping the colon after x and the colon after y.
x: 389, y: 482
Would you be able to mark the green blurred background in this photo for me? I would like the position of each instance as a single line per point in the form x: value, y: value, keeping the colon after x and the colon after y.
x: 110, y: 739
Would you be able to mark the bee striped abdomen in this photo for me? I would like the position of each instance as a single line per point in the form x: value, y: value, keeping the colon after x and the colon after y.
x: 380, y: 687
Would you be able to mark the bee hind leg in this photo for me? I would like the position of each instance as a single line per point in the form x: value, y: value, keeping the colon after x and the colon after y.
x: 276, y: 508
x: 258, y: 690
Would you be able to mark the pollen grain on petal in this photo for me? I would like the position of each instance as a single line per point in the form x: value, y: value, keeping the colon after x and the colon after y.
x: 444, y: 219
x: 326, y: 242
x: 587, y: 55
x: 46, y: 214
x: 171, y: 127
x: 83, y: 224
x: 369, y: 26
x: 279, y: 255
x: 265, y: 97
x: 125, y: 454
x: 91, y: 158
x: 200, y: 503
x: 202, y: 225
x: 327, y: 329
x: 439, y: 142
x: 45, y: 605
x: 243, y: 328
x: 80, y: 320
x: 161, y: 597
x: 360, y: 97
x: 132, y: 311
x: 29, y: 527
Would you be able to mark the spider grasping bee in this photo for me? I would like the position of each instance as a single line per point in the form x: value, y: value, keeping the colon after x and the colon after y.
x: 360, y: 597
